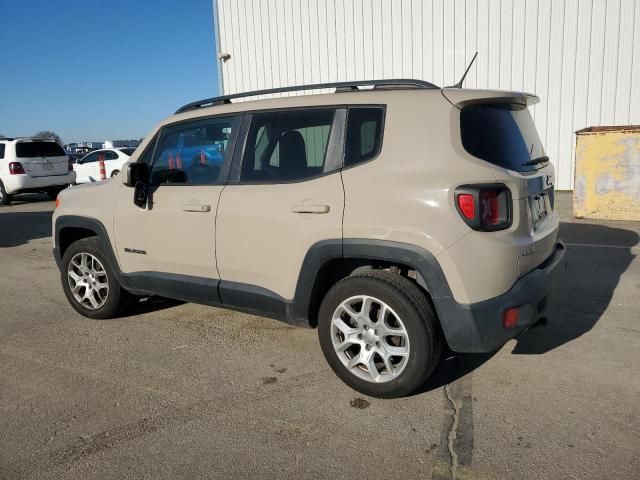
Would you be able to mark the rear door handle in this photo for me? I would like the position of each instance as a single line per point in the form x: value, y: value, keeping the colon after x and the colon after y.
x: 310, y: 209
x: 193, y: 207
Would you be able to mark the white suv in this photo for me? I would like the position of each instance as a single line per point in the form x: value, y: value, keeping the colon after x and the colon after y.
x: 30, y: 165
x: 88, y: 167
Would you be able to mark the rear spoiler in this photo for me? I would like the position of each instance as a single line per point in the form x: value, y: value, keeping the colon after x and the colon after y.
x: 459, y: 97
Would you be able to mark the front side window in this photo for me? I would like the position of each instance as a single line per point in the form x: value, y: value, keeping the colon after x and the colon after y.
x: 92, y: 157
x: 193, y: 152
x: 287, y: 146
x: 364, y: 134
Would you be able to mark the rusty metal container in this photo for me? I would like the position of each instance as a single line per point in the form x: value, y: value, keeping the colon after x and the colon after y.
x: 607, y: 173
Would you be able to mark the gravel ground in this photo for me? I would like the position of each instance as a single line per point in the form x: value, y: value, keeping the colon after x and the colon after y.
x: 186, y: 391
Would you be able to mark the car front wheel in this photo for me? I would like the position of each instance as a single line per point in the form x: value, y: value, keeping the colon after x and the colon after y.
x: 379, y: 333
x: 89, y: 282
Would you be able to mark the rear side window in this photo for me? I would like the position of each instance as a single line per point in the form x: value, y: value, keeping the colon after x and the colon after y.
x: 38, y: 149
x: 193, y: 152
x: 364, y: 135
x: 287, y: 146
x: 127, y: 151
x: 501, y: 134
x: 1, y: 151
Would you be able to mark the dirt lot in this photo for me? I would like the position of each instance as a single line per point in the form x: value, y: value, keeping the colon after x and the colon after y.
x: 185, y: 391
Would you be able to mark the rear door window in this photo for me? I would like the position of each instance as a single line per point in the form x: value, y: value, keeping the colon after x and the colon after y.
x: 38, y: 149
x: 501, y: 134
x: 287, y: 146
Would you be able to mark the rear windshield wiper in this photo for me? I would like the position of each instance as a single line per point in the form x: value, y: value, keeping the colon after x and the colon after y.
x: 536, y: 161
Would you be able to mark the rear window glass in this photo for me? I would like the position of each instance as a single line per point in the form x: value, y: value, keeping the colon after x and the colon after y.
x: 38, y: 149
x: 1, y: 150
x: 502, y: 134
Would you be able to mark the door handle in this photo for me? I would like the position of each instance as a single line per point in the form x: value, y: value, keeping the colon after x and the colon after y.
x: 310, y: 209
x: 193, y: 207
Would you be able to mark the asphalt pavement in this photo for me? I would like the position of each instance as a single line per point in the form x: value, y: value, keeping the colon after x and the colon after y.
x: 186, y: 391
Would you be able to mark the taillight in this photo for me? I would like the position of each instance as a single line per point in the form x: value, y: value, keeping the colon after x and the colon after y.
x: 467, y: 205
x: 16, y: 168
x: 484, y: 207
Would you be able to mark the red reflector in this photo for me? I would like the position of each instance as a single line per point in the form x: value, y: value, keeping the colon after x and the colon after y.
x: 490, y: 207
x: 467, y: 205
x: 510, y: 318
x: 16, y: 168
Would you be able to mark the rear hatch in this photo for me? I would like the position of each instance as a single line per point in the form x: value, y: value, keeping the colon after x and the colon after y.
x: 500, y: 130
x: 41, y: 158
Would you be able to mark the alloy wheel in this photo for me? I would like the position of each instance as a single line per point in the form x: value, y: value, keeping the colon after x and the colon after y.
x: 88, y: 281
x: 370, y: 339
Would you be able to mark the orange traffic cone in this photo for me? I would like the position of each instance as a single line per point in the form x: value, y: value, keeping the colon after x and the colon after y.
x: 203, y: 160
x: 178, y: 161
x: 103, y: 170
x: 171, y: 161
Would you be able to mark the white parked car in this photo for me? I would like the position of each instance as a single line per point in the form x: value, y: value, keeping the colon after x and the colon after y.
x: 88, y: 167
x: 30, y: 165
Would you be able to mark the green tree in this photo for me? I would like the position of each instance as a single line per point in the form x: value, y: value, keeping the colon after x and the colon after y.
x: 48, y: 135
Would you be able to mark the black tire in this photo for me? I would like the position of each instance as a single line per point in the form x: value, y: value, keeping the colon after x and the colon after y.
x: 54, y: 191
x: 114, y: 173
x: 5, y: 198
x: 117, y: 300
x: 411, y: 305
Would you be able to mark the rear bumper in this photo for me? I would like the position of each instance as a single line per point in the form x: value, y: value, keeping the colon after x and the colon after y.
x: 24, y: 183
x: 478, y: 328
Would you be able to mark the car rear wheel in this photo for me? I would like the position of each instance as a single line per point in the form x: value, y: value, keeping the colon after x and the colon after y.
x: 5, y: 198
x: 54, y: 191
x: 379, y: 333
x: 115, y: 172
x: 89, y: 282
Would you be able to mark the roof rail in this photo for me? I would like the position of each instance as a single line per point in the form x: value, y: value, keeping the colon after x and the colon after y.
x: 339, y: 86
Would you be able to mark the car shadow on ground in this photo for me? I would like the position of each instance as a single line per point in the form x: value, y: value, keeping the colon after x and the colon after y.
x: 151, y: 304
x: 597, y: 256
x: 25, y: 198
x: 18, y: 228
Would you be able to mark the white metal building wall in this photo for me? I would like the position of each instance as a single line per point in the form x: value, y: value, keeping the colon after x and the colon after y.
x: 582, y: 57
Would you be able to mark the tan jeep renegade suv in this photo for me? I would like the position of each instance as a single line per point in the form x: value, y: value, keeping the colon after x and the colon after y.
x: 393, y: 218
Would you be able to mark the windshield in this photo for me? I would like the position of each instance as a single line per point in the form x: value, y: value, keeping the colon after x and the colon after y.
x: 39, y: 149
x: 502, y: 134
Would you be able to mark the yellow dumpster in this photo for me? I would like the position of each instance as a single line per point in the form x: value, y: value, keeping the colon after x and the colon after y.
x: 607, y: 173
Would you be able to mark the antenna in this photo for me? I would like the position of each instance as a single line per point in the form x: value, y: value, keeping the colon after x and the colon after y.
x: 459, y: 84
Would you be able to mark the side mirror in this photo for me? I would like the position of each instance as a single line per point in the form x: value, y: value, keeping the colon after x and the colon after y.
x: 140, y: 194
x: 134, y: 172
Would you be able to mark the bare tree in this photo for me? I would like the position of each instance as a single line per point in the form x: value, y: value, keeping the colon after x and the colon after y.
x: 2, y: 136
x: 48, y: 135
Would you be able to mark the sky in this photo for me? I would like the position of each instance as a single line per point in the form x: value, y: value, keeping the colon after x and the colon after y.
x: 94, y: 70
